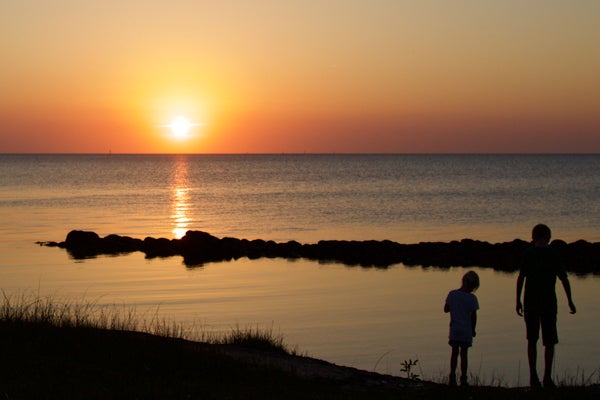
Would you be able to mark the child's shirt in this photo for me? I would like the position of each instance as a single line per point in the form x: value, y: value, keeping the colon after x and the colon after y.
x: 462, y: 305
x: 541, y: 266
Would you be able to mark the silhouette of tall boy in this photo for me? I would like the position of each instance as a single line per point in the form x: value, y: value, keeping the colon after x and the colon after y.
x: 539, y: 270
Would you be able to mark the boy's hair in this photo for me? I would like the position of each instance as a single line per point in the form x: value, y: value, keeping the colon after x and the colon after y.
x: 470, y: 281
x: 541, y: 232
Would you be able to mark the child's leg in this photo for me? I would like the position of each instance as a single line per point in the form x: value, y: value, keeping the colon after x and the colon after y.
x: 548, y: 359
x: 550, y: 338
x: 453, y: 364
x: 533, y: 323
x: 464, y: 364
x: 532, y: 357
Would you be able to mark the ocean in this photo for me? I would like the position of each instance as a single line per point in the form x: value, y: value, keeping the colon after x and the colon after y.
x: 367, y: 318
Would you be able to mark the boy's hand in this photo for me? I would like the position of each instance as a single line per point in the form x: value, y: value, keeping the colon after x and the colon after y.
x: 519, y: 308
x: 572, y: 307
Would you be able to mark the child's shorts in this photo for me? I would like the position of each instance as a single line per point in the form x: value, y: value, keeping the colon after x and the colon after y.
x: 547, y: 322
x: 460, y: 343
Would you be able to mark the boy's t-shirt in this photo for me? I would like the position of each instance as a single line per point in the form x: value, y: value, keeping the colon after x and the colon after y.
x: 541, y: 266
x: 461, y: 304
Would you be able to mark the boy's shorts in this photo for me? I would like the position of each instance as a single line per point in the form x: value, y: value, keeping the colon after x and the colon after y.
x: 460, y: 343
x: 547, y: 322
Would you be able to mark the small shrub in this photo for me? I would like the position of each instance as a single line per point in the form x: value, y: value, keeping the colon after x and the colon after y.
x: 407, y: 366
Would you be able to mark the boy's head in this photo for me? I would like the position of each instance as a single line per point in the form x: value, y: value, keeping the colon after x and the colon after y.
x: 541, y: 234
x: 470, y: 281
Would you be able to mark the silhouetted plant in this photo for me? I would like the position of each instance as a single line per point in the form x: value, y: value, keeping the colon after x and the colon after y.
x: 407, y: 366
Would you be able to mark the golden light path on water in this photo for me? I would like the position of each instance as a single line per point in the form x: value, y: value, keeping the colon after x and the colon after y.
x: 180, y: 198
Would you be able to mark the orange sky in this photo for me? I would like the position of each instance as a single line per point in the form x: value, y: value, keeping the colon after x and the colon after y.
x: 300, y: 76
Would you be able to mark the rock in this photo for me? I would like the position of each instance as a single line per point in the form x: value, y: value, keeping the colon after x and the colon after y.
x: 82, y: 239
x: 83, y: 244
x: 199, y: 247
x: 160, y: 247
x: 115, y: 244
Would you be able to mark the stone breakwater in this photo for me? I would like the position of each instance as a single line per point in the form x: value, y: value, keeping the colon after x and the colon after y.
x: 198, y: 248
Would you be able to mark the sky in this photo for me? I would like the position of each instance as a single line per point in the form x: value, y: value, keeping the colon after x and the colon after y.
x: 317, y: 76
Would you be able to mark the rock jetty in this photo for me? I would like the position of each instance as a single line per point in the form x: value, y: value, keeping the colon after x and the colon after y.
x: 198, y: 248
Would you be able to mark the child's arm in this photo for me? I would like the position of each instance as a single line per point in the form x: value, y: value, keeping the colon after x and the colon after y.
x: 474, y: 321
x: 446, y: 306
x: 520, y: 281
x: 567, y: 286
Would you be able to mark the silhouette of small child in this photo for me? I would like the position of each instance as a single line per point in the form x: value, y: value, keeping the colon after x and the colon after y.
x: 462, y: 305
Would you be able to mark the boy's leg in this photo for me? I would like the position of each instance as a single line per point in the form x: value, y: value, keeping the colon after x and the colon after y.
x: 532, y: 322
x: 532, y: 357
x: 550, y: 338
x: 464, y: 365
x: 453, y: 364
x: 548, y: 359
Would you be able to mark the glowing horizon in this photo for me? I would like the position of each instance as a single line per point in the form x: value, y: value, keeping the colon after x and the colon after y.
x: 341, y: 77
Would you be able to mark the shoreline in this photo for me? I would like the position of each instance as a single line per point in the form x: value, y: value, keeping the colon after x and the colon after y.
x: 78, y: 362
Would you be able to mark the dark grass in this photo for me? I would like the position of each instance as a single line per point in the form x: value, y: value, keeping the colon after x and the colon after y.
x: 48, y: 362
x: 50, y: 354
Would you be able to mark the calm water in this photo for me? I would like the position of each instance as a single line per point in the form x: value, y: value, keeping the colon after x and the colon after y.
x: 371, y: 319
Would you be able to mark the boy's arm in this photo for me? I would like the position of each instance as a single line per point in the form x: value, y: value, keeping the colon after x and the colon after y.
x: 474, y: 321
x: 520, y: 281
x: 567, y: 286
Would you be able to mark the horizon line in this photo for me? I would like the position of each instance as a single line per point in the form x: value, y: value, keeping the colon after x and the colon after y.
x: 110, y: 153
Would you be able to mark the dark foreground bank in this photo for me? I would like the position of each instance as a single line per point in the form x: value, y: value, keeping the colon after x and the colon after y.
x: 42, y: 361
x: 198, y: 247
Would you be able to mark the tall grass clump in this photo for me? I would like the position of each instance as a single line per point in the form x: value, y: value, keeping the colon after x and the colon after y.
x: 263, y: 339
x: 31, y: 308
x: 47, y: 311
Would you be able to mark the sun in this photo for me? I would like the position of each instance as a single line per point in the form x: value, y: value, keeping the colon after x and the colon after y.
x: 181, y: 127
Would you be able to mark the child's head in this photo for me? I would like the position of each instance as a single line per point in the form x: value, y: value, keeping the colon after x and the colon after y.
x: 541, y: 233
x: 470, y: 281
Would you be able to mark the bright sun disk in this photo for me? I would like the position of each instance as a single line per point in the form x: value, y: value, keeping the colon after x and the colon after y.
x: 180, y: 127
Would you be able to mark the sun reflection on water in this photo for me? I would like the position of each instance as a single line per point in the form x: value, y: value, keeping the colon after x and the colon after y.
x: 180, y: 199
